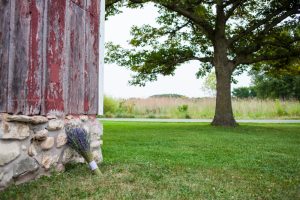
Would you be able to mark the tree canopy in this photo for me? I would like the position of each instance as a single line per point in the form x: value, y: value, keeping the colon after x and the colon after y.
x: 227, y: 35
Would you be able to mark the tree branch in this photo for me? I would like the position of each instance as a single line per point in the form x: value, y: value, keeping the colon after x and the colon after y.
x: 203, y: 59
x: 200, y: 22
x: 173, y: 32
x: 235, y: 5
x: 251, y: 59
x: 269, y: 26
x: 279, y: 19
x: 109, y: 3
x: 258, y: 41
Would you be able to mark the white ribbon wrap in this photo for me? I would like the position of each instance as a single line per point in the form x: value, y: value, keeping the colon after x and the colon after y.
x: 93, y: 165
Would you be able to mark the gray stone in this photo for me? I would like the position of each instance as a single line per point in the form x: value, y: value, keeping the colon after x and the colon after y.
x: 78, y: 159
x: 41, y: 135
x: 84, y: 118
x: 69, y: 117
x: 24, y: 148
x: 8, y: 152
x: 57, y: 113
x: 68, y: 154
x: 7, y: 179
x: 27, y: 119
x: 48, y: 143
x: 1, y: 133
x: 32, y: 151
x: 49, y: 117
x: 95, y: 144
x: 74, y: 123
x: 61, y: 139
x: 25, y: 177
x: 95, y: 128
x: 18, y: 131
x: 25, y: 166
x: 55, y: 125
x: 17, y: 167
x: 60, y: 168
x: 1, y: 176
x: 39, y: 120
x: 97, y: 156
x: 47, y: 161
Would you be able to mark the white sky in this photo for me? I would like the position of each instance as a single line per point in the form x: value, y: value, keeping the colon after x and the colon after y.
x: 184, y: 82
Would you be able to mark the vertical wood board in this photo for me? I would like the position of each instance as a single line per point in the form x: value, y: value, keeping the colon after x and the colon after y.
x: 35, y: 68
x: 55, y: 48
x: 91, y: 64
x: 4, y: 52
x: 18, y: 56
x: 77, y: 59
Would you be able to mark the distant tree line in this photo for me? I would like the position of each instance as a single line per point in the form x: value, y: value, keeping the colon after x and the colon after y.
x: 271, y: 86
x: 168, y: 96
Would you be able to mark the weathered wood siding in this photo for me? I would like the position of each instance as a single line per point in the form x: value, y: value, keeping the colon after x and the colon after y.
x: 49, y: 56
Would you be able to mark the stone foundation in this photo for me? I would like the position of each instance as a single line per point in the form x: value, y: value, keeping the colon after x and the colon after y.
x: 31, y: 147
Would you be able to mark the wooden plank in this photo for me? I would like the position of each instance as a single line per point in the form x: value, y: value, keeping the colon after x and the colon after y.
x: 18, y: 55
x: 54, y: 99
x: 93, y: 7
x: 4, y: 52
x: 76, y: 59
x: 80, y: 3
x: 91, y: 64
x: 44, y: 58
x: 34, y: 74
x: 66, y: 58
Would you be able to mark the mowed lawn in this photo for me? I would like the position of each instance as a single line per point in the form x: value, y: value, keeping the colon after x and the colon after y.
x: 182, y: 161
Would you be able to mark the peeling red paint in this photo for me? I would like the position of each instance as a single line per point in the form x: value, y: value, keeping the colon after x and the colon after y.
x: 86, y: 104
x: 53, y: 67
x: 93, y: 6
x: 80, y: 3
x: 33, y: 81
x: 56, y: 30
x: 91, y: 62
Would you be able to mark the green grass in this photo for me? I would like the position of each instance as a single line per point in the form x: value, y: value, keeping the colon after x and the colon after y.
x: 182, y: 161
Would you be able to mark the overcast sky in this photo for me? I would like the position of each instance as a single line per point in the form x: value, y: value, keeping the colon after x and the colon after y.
x: 117, y: 30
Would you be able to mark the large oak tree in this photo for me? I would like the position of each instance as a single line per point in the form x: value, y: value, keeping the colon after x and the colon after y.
x: 227, y: 35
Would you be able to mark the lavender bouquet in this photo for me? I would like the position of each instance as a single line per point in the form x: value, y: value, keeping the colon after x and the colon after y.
x: 78, y: 139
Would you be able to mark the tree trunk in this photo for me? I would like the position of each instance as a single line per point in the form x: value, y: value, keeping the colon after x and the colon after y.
x: 223, y: 112
x: 223, y: 68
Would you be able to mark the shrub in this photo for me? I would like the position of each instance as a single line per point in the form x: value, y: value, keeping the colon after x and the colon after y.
x: 110, y: 105
x: 244, y: 92
x: 126, y: 107
x: 187, y: 116
x: 280, y: 109
x: 183, y: 108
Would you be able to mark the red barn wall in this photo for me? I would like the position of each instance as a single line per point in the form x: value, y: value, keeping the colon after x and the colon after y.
x: 49, y: 55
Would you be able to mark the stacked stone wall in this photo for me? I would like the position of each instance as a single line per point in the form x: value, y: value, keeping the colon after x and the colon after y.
x: 31, y: 146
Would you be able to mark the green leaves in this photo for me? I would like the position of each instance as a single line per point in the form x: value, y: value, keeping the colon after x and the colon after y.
x: 250, y: 31
x: 148, y: 64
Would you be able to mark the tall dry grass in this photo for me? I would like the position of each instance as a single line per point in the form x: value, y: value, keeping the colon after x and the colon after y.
x: 199, y: 108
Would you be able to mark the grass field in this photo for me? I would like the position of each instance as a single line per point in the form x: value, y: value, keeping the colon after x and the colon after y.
x: 182, y: 161
x: 199, y: 108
